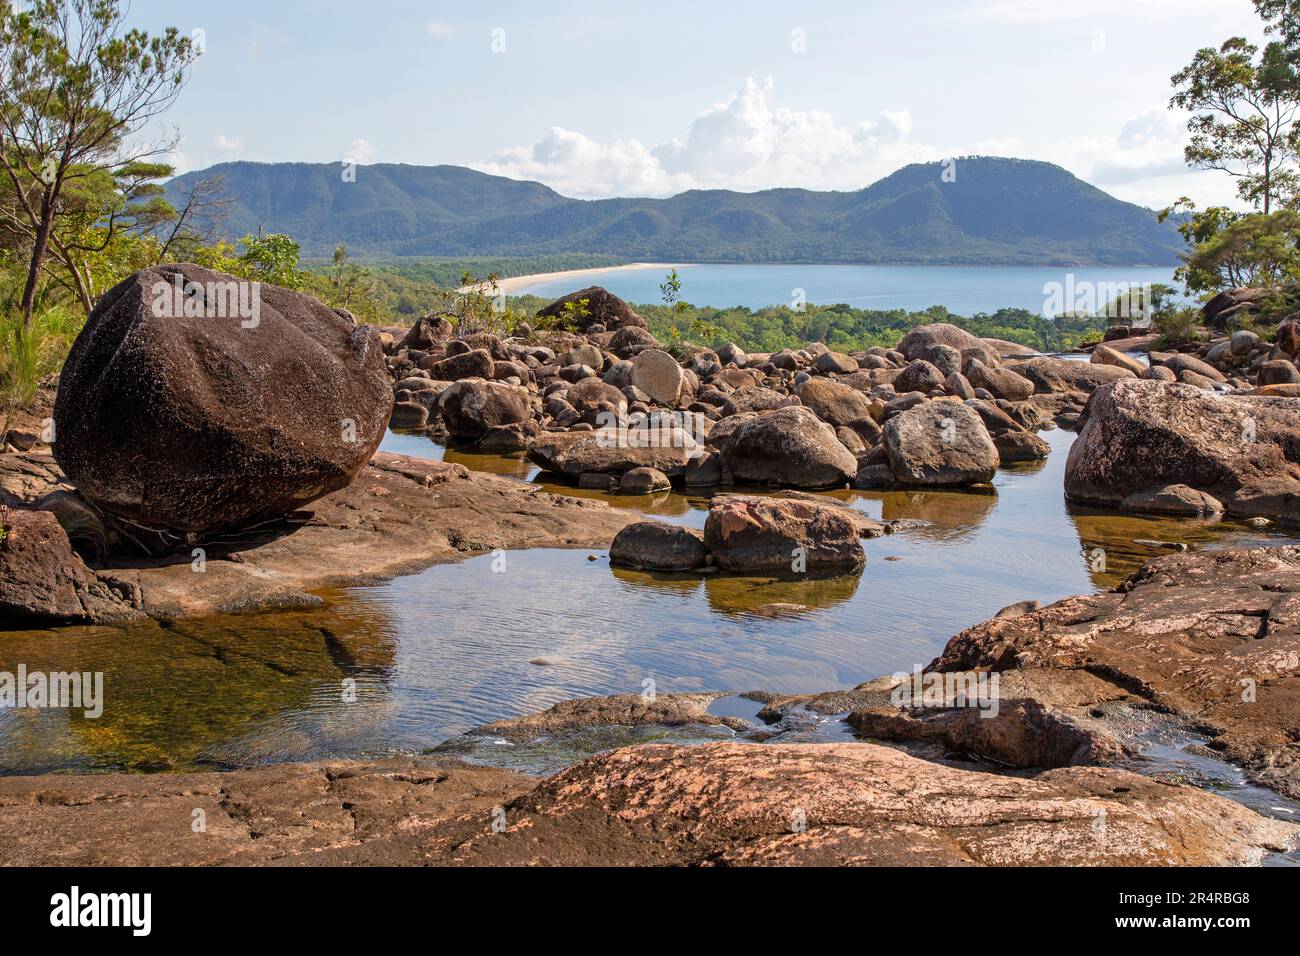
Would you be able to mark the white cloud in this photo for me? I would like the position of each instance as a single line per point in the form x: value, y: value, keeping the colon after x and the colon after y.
x: 228, y: 145
x: 439, y: 30
x: 741, y: 143
x: 359, y: 151
x: 746, y: 143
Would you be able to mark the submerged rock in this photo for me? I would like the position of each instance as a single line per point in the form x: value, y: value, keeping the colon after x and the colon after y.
x: 623, y: 710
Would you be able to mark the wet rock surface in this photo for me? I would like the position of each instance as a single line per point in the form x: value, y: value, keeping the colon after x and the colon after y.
x: 401, y: 515
x: 1212, y: 637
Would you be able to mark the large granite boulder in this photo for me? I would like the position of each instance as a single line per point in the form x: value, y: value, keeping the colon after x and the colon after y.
x: 476, y: 363
x: 613, y: 451
x: 917, y: 343
x: 655, y: 546
x: 1002, y: 383
x: 919, y: 376
x: 472, y: 407
x: 789, y: 446
x: 602, y: 308
x: 940, y: 443
x: 657, y: 374
x: 431, y: 331
x: 1142, y: 436
x: 835, y: 403
x: 751, y: 535
x: 1052, y: 375
x: 233, y: 404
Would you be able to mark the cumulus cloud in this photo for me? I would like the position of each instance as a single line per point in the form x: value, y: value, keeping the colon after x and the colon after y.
x: 359, y: 151
x: 438, y: 30
x: 576, y: 165
x: 746, y: 142
x: 743, y: 142
x: 227, y: 145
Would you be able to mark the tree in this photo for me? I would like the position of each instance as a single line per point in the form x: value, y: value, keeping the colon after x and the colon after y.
x: 1282, y: 20
x: 346, y: 281
x: 1243, y: 120
x: 76, y: 90
x: 1256, y: 250
x: 197, y: 221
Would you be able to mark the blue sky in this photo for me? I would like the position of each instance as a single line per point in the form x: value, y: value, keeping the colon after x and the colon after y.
x: 600, y: 99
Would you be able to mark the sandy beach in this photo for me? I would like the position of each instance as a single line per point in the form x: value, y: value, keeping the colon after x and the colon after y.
x: 512, y: 285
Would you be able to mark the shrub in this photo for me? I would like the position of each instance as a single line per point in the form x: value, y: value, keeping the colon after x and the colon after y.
x: 1177, y: 326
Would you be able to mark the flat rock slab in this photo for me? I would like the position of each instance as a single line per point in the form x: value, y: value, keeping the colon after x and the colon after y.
x: 399, y: 516
x: 359, y: 812
x: 837, y: 804
x: 725, y: 803
x: 1213, y: 637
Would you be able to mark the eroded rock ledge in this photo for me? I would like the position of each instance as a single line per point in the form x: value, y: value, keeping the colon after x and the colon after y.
x: 1213, y: 638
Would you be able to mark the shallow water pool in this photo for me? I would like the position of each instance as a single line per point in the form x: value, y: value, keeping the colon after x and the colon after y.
x: 401, y: 667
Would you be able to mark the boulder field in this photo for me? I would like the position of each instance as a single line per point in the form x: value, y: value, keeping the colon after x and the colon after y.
x: 591, y: 404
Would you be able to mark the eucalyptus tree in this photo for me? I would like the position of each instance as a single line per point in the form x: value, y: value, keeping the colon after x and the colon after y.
x: 78, y: 91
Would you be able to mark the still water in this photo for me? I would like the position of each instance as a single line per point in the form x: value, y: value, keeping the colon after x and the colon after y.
x: 436, y: 653
x: 964, y: 290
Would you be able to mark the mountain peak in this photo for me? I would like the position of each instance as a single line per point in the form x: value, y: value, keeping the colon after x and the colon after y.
x: 986, y: 210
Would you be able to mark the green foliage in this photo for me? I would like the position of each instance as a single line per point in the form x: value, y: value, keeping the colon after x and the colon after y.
x: 29, y: 352
x: 1177, y: 326
x: 843, y: 327
x: 271, y: 258
x: 671, y: 291
x: 1255, y: 250
x: 76, y: 88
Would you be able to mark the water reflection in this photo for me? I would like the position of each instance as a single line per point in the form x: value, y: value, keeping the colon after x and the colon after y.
x: 457, y: 645
x: 176, y: 695
x: 740, y: 595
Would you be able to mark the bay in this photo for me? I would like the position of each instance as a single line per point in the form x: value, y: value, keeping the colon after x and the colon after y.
x: 963, y: 290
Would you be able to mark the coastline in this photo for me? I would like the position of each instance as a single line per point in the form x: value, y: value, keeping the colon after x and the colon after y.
x: 513, y: 284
